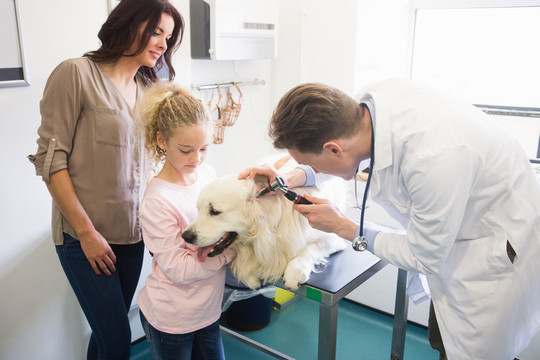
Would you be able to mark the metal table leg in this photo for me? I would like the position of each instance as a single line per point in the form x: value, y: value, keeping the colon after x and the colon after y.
x: 254, y: 344
x: 400, y: 317
x: 328, y: 316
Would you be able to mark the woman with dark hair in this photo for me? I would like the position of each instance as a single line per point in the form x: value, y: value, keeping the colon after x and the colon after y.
x: 92, y: 159
x: 118, y: 40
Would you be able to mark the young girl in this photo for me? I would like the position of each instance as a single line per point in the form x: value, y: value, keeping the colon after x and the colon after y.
x: 181, y: 301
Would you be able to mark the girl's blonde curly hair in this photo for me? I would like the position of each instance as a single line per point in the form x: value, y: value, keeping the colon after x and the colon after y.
x: 164, y: 108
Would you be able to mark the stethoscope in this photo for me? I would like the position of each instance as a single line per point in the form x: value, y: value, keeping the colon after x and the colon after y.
x: 360, y: 242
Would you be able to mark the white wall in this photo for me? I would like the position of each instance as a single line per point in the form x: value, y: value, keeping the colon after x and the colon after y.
x: 39, y: 314
x: 318, y: 41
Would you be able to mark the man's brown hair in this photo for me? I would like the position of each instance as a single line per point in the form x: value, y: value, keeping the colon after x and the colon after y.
x: 311, y: 114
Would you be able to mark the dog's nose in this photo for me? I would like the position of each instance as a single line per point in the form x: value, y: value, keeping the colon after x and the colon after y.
x: 189, y: 236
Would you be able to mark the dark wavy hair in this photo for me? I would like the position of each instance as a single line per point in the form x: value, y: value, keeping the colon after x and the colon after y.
x: 119, y: 32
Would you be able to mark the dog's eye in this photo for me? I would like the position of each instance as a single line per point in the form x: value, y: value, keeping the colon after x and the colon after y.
x: 213, y: 211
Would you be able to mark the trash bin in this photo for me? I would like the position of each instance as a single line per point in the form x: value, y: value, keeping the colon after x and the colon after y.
x: 246, y: 309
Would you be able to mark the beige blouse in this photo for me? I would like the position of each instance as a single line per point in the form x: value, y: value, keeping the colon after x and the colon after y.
x: 89, y: 129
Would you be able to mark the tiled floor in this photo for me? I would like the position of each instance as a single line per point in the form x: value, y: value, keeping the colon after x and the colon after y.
x: 362, y: 334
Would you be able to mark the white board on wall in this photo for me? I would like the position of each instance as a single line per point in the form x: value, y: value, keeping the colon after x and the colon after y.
x: 12, y: 72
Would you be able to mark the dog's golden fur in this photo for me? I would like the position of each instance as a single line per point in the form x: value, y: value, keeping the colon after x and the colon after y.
x: 273, y: 240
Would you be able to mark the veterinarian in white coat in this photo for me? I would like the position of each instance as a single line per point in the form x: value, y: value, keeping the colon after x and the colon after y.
x: 462, y: 188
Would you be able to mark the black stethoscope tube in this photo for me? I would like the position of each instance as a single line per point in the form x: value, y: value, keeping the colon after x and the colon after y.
x: 366, y: 189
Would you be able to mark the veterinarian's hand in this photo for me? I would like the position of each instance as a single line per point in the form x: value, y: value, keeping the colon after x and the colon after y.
x: 325, y: 216
x: 265, y: 170
x: 98, y: 252
x: 292, y: 178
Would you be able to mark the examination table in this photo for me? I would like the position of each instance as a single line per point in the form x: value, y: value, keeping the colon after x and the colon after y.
x: 344, y: 272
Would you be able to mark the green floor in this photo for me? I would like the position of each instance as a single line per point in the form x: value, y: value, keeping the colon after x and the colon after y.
x: 362, y: 334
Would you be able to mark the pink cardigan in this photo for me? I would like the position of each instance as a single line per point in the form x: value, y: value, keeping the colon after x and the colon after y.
x: 181, y: 294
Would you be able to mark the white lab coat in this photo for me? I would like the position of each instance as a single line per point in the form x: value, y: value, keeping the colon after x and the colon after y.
x: 462, y: 188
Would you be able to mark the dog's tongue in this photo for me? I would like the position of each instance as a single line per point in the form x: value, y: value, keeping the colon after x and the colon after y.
x: 203, y: 252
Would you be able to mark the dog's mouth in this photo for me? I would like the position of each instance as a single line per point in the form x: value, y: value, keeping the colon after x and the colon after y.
x: 217, y: 248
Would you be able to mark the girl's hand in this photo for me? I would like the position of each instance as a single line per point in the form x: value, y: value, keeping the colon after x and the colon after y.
x: 98, y: 252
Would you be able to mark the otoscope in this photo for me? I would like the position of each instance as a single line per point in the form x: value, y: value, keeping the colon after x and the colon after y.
x: 279, y: 184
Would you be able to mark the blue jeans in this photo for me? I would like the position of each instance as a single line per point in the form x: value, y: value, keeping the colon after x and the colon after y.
x: 203, y: 344
x: 104, y: 300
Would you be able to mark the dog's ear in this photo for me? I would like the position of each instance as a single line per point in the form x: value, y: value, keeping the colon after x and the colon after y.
x: 258, y: 183
x: 261, y: 181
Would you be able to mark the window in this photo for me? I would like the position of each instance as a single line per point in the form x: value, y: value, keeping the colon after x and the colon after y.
x: 486, y: 52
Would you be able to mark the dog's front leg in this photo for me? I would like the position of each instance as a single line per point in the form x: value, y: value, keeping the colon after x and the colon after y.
x: 244, y: 272
x: 253, y: 282
x: 299, y: 268
x: 297, y: 272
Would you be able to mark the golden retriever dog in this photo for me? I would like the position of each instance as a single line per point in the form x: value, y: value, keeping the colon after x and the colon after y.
x: 270, y: 238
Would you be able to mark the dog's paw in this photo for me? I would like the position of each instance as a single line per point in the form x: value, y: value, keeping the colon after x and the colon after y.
x: 296, y: 274
x: 253, y: 283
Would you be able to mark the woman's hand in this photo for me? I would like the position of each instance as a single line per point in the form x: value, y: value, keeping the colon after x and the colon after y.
x: 98, y: 252
x: 325, y: 216
x: 95, y: 247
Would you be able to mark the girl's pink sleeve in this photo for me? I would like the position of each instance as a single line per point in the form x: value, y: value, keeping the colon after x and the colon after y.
x: 228, y: 255
x: 162, y: 226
